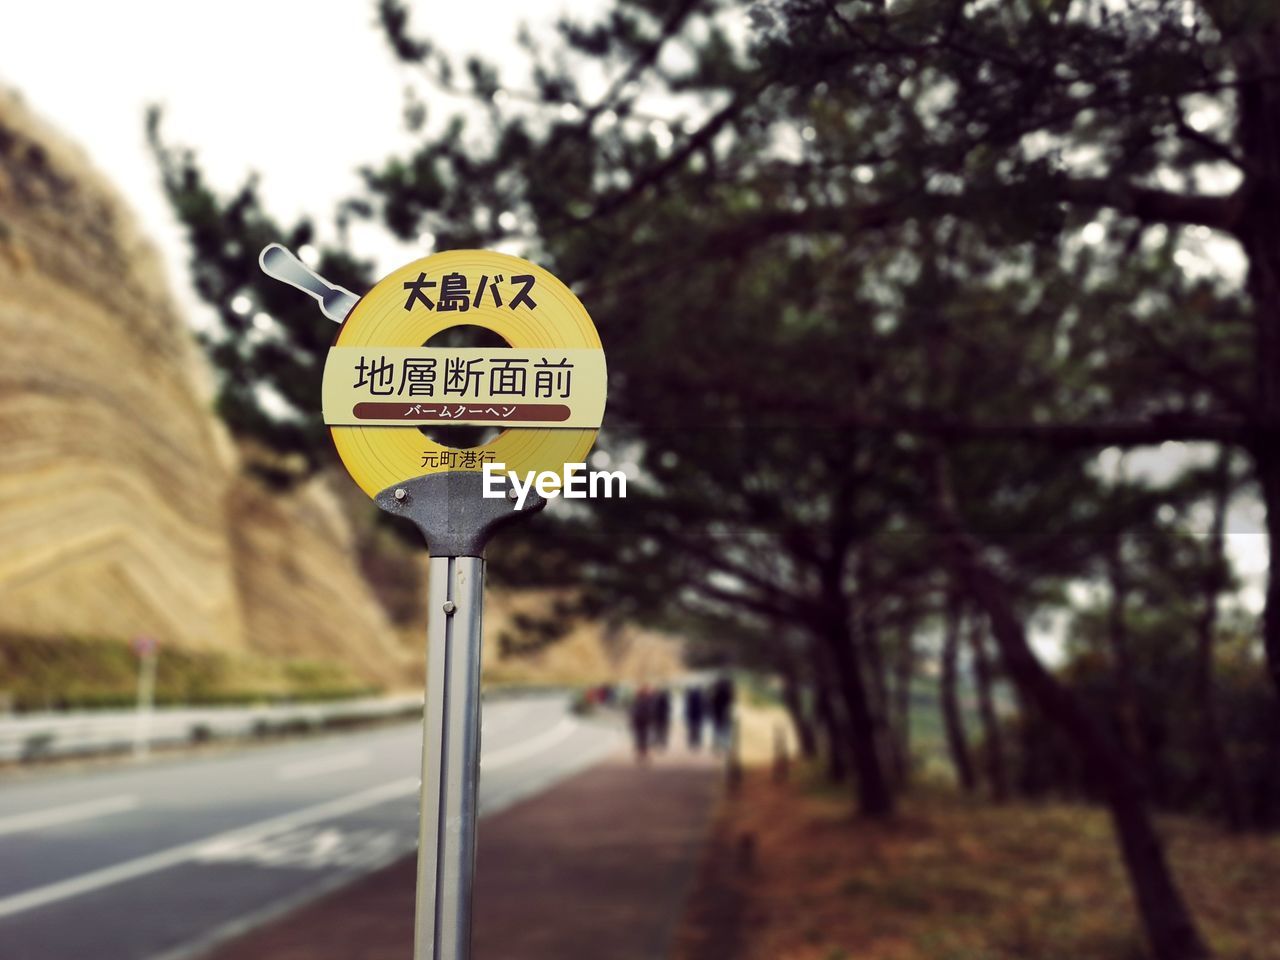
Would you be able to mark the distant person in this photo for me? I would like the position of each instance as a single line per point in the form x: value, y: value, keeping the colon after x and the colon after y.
x: 694, y: 714
x: 642, y: 721
x: 661, y: 717
x: 721, y: 696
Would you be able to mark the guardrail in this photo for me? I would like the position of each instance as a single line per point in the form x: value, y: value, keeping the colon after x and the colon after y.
x: 39, y: 736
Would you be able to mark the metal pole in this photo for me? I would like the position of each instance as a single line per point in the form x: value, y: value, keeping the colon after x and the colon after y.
x: 450, y: 760
x: 457, y: 520
x: 457, y: 516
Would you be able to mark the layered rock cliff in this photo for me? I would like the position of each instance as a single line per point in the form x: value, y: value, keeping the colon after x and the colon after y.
x: 123, y: 509
x: 124, y: 506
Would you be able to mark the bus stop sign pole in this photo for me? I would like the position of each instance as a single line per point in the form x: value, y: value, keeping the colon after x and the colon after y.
x: 547, y: 389
x: 457, y: 522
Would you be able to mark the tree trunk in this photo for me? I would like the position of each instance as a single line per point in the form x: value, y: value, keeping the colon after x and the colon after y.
x: 877, y: 668
x: 900, y: 728
x: 952, y: 722
x: 992, y: 741
x: 1217, y: 760
x: 1268, y: 466
x: 875, y: 799
x: 825, y: 706
x: 1166, y: 921
x: 1258, y: 96
x: 874, y: 795
x: 1133, y: 725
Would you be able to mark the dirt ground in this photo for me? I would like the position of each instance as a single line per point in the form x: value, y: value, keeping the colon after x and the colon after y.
x: 791, y: 875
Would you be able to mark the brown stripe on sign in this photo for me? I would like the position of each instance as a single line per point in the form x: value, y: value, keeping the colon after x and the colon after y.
x: 497, y: 412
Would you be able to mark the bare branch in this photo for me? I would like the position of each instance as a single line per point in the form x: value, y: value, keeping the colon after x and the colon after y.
x: 1161, y: 428
x: 1155, y: 206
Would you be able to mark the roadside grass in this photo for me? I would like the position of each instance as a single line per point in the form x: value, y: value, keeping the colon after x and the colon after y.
x: 956, y: 878
x: 39, y: 673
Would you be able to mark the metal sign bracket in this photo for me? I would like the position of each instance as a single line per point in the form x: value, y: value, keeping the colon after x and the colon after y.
x: 452, y: 512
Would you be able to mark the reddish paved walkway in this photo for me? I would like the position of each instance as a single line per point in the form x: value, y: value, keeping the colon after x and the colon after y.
x: 597, y: 867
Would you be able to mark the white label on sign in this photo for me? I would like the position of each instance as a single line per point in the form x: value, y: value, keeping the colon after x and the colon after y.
x: 412, y: 386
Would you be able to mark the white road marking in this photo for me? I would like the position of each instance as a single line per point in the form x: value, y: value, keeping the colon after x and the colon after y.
x: 163, y: 859
x: 203, y: 944
x: 301, y: 769
x: 519, y: 751
x: 314, y: 848
x: 89, y: 810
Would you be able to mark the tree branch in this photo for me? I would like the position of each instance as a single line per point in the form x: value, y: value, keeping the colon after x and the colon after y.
x: 1161, y: 428
x: 1152, y: 205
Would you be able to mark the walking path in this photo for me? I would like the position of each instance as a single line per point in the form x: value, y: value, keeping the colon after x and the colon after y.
x: 598, y: 867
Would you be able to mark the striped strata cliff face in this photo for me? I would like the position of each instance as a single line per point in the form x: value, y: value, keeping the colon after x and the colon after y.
x: 122, y: 506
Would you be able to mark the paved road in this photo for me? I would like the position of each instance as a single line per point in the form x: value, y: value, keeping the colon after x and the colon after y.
x: 161, y: 860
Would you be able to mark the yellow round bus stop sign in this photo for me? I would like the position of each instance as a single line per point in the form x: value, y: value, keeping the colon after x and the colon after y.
x: 545, y: 391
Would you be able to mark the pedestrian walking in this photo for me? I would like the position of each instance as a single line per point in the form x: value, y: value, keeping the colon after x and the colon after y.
x: 721, y: 697
x: 642, y: 721
x: 694, y: 715
x: 661, y: 717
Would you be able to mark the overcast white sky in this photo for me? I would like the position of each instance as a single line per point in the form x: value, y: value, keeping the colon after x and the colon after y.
x: 301, y: 91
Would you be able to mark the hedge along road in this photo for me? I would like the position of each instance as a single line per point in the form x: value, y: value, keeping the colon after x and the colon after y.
x: 163, y: 860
